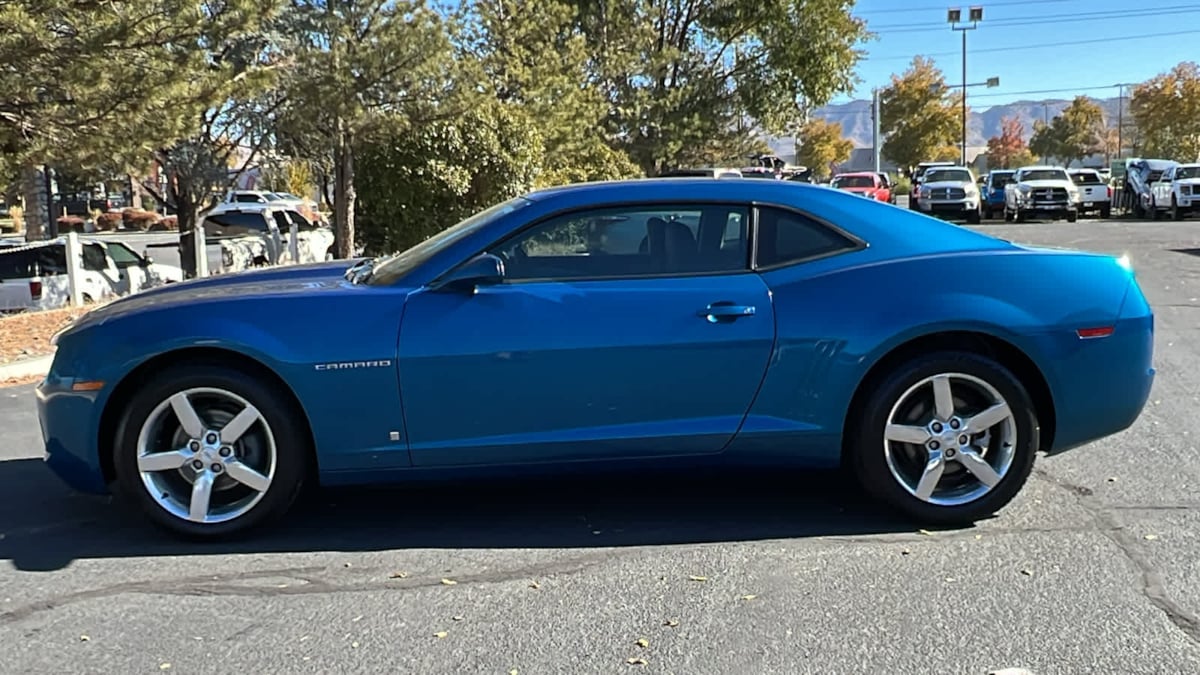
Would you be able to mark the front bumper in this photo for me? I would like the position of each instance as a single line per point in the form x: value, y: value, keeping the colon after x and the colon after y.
x: 943, y: 207
x: 68, y: 421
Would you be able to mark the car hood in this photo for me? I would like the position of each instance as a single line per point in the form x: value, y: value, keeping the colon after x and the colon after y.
x: 262, y: 283
x: 948, y: 184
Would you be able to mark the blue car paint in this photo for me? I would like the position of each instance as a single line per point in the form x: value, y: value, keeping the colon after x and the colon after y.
x: 560, y: 372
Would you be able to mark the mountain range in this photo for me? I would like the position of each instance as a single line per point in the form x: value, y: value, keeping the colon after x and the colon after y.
x: 982, y: 123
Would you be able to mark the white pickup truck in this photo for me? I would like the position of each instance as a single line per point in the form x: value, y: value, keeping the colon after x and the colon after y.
x: 1095, y: 195
x: 1176, y: 192
x: 1041, y: 191
x: 33, y: 276
x: 239, y: 236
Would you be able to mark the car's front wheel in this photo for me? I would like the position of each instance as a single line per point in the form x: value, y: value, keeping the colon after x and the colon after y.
x: 209, y: 451
x: 947, y: 439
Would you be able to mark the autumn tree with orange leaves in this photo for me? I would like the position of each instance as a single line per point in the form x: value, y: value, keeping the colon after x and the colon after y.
x: 1008, y: 150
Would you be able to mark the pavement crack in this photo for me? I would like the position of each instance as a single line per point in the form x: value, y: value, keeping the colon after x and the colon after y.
x: 1151, y: 583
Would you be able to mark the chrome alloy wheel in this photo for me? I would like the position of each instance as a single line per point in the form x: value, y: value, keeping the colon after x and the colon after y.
x: 206, y: 455
x: 950, y: 439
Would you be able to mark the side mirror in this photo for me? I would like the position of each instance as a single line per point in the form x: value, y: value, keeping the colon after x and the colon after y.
x: 147, y: 260
x: 484, y: 269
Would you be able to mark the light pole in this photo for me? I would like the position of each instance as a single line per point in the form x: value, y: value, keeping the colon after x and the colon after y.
x: 1120, y: 118
x: 954, y: 18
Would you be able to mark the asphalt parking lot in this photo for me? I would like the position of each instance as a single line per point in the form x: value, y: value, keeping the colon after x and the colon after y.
x: 1093, y: 568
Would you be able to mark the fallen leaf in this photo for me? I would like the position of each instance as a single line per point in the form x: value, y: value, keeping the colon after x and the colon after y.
x: 696, y: 578
x: 356, y: 619
x: 643, y: 643
x: 84, y: 638
x: 440, y: 634
x: 164, y: 666
x: 904, y: 551
x: 534, y: 585
x: 512, y: 672
x: 304, y: 637
x: 635, y: 661
x: 398, y: 575
x: 448, y: 582
x: 354, y: 644
x: 949, y: 579
x: 345, y: 564
x: 749, y: 597
x: 1150, y: 537
x: 456, y: 618
x: 671, y: 622
x: 927, y: 533
x: 1112, y: 479
x: 1027, y: 573
x: 597, y: 531
x: 978, y: 537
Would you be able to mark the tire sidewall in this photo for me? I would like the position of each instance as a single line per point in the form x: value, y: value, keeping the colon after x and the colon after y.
x: 867, y: 444
x: 290, y: 446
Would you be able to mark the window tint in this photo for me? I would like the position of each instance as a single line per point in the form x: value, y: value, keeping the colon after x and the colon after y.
x: 123, y: 256
x: 999, y: 180
x: 853, y: 181
x: 94, y: 259
x: 17, y: 264
x: 244, y: 198
x: 785, y: 237
x: 235, y: 224
x: 630, y: 241
x: 947, y: 175
x: 1086, y: 178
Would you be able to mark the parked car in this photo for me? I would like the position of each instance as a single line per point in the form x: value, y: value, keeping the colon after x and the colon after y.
x: 1140, y: 175
x: 1041, y: 192
x: 708, y: 172
x: 242, y: 236
x: 1095, y: 195
x: 890, y: 184
x: 993, y: 191
x: 863, y: 183
x: 950, y: 192
x: 918, y: 174
x: 513, y: 340
x: 1176, y: 192
x: 34, y: 276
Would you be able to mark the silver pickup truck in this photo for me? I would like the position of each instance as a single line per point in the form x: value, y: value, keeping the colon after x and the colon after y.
x: 1095, y: 195
x: 240, y: 236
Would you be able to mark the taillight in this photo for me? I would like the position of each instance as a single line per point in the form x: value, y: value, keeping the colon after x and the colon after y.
x: 1110, y: 192
x: 35, y: 289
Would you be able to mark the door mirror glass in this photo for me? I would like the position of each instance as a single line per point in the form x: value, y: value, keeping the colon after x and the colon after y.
x: 483, y: 269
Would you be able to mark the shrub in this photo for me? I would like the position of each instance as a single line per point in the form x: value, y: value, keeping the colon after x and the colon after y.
x: 168, y: 224
x: 136, y: 219
x: 106, y: 222
x: 903, y: 186
x: 71, y: 224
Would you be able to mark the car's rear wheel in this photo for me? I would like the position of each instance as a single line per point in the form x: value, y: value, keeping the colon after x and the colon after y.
x: 209, y: 451
x: 1072, y: 216
x: 947, y: 439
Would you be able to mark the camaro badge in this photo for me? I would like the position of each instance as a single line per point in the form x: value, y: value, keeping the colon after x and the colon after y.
x: 352, y: 365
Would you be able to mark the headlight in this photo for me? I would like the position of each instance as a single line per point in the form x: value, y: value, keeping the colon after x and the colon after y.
x: 1024, y: 189
x: 924, y: 192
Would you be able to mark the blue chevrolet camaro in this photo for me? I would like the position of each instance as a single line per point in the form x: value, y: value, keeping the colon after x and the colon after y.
x: 664, y: 321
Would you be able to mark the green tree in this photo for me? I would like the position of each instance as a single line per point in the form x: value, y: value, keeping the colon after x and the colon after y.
x: 1046, y: 141
x: 1072, y: 135
x: 359, y: 67
x: 415, y: 185
x: 1166, y: 109
x: 528, y: 53
x: 822, y: 146
x: 98, y: 84
x: 920, y: 117
x: 687, y: 80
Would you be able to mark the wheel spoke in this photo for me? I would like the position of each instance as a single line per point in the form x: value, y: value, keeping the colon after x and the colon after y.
x: 239, y: 425
x: 201, y: 492
x: 188, y: 419
x: 931, y: 476
x: 978, y: 467
x: 903, y: 433
x: 989, y: 417
x: 943, y: 398
x: 247, y: 476
x: 163, y: 461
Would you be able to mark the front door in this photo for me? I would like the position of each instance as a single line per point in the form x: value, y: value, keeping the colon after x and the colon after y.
x: 621, y: 333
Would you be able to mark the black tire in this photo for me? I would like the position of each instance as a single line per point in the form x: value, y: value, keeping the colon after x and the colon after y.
x: 1105, y: 212
x: 987, y: 214
x: 1072, y: 216
x: 276, y: 410
x: 1176, y: 214
x: 973, y: 217
x: 1019, y: 216
x: 865, y: 445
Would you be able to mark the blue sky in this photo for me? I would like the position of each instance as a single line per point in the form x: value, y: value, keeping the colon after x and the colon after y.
x: 1031, y: 45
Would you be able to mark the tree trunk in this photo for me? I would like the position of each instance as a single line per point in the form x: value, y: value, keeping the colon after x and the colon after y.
x: 188, y: 215
x: 135, y: 192
x: 344, y: 194
x: 37, y: 202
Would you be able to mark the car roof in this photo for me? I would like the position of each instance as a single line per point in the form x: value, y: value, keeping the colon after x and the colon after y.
x: 1040, y: 167
x: 857, y: 173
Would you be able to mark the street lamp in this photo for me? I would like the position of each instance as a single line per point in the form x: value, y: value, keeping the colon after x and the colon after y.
x: 955, y: 19
x: 1120, y: 118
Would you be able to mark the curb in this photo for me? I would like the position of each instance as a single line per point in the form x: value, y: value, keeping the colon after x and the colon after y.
x: 39, y: 365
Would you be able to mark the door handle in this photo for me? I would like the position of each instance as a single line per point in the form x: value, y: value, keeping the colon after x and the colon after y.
x: 724, y: 312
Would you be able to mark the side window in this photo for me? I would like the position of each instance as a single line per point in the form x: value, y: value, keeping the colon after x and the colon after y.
x: 123, y: 256
x: 786, y: 237
x: 630, y: 242
x: 52, y: 260
x: 94, y: 259
x: 17, y: 264
x: 235, y: 224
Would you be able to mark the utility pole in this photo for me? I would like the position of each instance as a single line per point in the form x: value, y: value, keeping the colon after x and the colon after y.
x: 876, y: 141
x: 954, y: 18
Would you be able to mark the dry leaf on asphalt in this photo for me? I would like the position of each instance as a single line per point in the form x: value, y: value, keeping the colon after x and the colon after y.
x: 927, y: 533
x: 84, y: 638
x: 671, y: 622
x: 534, y: 585
x: 1150, y: 537
x: 448, y: 582
x: 164, y: 666
x: 749, y: 597
x: 354, y: 645
x: 398, y: 575
x: 456, y: 618
x: 1027, y: 573
x: 696, y: 578
x: 635, y: 661
x: 440, y: 634
x: 642, y: 642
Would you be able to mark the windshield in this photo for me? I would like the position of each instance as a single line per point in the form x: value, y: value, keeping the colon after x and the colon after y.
x: 853, y: 182
x: 388, y: 270
x: 1001, y: 179
x: 1087, y: 178
x: 946, y: 175
x: 1187, y: 172
x: 1044, y: 174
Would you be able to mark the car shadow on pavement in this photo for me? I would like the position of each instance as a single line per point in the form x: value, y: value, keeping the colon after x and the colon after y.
x: 44, y: 526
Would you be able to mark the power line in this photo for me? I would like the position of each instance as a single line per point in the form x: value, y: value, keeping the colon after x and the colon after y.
x: 1043, y: 45
x: 942, y: 8
x: 928, y: 27
x: 1066, y: 90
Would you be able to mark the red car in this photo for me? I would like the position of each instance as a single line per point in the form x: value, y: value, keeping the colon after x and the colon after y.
x: 865, y: 183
